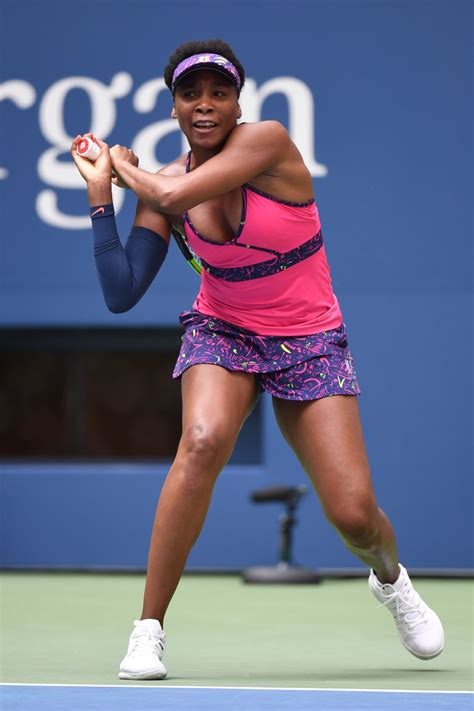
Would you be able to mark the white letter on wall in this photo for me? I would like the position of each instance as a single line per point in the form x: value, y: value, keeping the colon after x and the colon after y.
x: 300, y: 112
x: 147, y: 139
x: 22, y: 94
x: 60, y: 174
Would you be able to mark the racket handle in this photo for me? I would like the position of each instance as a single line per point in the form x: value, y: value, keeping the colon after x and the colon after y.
x: 186, y: 252
x: 87, y: 148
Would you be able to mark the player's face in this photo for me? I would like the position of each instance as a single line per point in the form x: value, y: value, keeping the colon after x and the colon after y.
x: 207, y: 108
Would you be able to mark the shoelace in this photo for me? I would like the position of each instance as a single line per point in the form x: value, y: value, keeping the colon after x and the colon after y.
x: 144, y: 641
x: 407, y: 605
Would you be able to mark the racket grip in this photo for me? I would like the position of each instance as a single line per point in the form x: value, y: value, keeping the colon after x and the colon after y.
x: 87, y: 148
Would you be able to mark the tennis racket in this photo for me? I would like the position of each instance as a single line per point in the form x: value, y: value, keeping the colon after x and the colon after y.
x: 180, y: 238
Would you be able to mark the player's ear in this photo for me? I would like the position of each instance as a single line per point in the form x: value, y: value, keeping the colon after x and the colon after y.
x: 239, y: 111
x: 174, y: 115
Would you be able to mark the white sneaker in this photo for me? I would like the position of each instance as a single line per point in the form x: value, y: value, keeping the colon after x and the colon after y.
x: 145, y: 649
x: 419, y: 627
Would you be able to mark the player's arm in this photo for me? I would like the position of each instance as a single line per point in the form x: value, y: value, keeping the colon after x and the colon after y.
x: 125, y: 272
x: 251, y: 149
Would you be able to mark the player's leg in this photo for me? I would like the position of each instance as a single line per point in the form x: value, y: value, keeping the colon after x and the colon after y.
x: 326, y: 435
x: 216, y: 403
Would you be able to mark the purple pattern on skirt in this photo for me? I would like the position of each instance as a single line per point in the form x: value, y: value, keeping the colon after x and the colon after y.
x: 291, y: 367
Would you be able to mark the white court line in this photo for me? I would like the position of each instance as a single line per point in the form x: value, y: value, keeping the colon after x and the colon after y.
x: 146, y: 685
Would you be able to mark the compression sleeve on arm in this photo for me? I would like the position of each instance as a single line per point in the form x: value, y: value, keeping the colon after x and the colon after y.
x: 125, y: 273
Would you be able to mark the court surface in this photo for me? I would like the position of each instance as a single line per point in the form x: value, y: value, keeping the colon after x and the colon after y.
x: 231, y: 646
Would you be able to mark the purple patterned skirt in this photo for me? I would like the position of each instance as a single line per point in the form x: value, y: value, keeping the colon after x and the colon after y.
x: 292, y: 368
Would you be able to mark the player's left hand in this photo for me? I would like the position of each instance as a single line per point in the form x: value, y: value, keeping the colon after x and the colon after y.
x: 119, y: 155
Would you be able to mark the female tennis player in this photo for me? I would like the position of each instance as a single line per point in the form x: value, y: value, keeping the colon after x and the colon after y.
x: 265, y: 318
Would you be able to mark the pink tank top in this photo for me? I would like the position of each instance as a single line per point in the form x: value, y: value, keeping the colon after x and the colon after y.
x: 272, y: 277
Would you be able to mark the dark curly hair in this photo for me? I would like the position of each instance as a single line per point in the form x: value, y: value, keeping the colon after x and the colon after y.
x: 187, y: 49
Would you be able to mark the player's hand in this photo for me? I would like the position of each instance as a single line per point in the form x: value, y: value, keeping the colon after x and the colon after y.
x: 119, y: 155
x: 100, y: 169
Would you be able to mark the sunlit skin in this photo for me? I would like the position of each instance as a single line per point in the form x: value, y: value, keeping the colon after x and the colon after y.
x: 325, y: 434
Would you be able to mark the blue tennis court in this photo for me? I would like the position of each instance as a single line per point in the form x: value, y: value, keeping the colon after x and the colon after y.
x: 127, y: 698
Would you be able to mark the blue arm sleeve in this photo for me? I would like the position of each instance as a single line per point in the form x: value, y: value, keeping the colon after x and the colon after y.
x: 125, y: 273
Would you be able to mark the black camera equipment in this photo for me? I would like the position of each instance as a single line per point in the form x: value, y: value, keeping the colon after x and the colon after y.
x: 286, y: 571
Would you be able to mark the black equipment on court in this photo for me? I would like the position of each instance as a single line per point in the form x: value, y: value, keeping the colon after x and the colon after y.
x: 285, y: 572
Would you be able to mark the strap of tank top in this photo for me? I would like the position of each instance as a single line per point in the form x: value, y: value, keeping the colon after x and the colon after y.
x: 188, y: 161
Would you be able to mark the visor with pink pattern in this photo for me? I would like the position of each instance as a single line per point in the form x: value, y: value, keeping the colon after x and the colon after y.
x: 206, y: 60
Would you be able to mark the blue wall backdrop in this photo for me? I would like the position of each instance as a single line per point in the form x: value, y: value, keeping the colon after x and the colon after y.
x: 378, y: 96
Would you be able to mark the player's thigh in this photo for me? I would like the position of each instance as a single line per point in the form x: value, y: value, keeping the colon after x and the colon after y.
x: 326, y: 435
x: 216, y: 403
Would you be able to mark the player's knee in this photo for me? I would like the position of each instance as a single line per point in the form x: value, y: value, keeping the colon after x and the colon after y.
x: 357, y: 523
x: 204, y: 447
